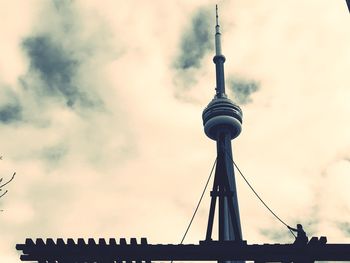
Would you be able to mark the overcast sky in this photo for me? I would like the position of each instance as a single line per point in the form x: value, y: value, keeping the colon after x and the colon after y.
x: 100, y: 116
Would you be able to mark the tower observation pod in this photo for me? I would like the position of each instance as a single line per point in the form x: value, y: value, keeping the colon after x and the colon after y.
x: 222, y: 120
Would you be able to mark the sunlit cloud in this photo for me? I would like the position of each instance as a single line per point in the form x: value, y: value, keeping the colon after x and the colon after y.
x: 95, y: 119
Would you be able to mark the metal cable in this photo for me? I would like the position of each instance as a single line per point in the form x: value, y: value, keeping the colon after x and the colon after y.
x: 199, y: 202
x: 257, y: 195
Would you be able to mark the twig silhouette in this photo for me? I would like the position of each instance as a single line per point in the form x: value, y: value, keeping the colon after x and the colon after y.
x: 3, y: 193
x: 13, y: 176
x: 6, y: 183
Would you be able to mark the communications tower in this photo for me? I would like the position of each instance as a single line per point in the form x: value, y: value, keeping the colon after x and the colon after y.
x: 222, y: 120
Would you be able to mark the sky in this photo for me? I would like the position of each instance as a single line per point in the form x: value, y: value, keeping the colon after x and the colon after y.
x: 100, y: 117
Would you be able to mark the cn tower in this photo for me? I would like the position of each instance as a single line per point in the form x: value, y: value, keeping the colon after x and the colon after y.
x: 222, y: 120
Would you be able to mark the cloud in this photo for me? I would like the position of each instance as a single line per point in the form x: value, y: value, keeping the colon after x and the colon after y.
x: 242, y: 89
x: 55, y: 153
x: 69, y: 112
x: 10, y: 113
x: 277, y: 235
x: 196, y: 41
x: 56, y: 67
x: 10, y: 107
x: 90, y: 181
x: 309, y: 222
x: 66, y: 94
x: 63, y: 55
x: 345, y: 228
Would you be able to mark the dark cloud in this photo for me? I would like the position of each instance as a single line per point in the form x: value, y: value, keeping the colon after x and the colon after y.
x: 62, y: 55
x: 196, y: 41
x: 56, y: 66
x: 10, y: 108
x: 242, y: 89
x: 10, y: 113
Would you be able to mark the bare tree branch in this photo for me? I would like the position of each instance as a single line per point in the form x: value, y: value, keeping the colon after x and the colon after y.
x: 3, y: 194
x: 13, y: 176
x: 4, y: 184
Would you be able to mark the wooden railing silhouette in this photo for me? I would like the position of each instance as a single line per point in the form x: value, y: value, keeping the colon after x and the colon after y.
x: 108, y: 251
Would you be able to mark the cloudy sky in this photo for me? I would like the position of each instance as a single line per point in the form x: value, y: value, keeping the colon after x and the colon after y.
x: 100, y: 116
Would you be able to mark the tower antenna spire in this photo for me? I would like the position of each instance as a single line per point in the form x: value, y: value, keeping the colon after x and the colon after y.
x: 217, y: 35
x: 219, y: 60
